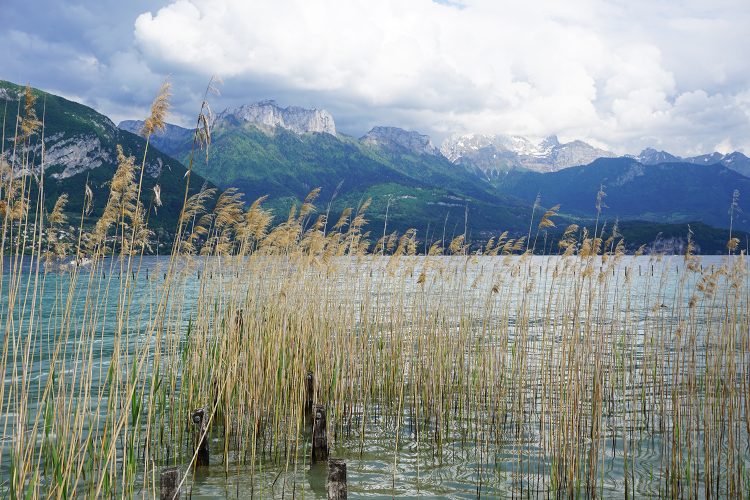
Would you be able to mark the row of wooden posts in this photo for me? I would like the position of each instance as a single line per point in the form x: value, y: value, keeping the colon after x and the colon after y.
x: 169, y: 480
x: 601, y: 269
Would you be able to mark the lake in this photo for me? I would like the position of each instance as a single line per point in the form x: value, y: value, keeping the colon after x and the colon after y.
x: 442, y: 376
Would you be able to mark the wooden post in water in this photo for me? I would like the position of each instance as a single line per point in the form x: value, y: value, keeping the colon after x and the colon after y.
x: 309, y: 391
x: 319, y: 435
x: 169, y: 480
x: 200, y: 420
x: 336, y: 479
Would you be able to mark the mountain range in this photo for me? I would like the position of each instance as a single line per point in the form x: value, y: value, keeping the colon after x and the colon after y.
x: 675, y: 192
x: 403, y: 172
x: 285, y: 152
x: 493, y: 155
x: 265, y: 149
x: 735, y: 161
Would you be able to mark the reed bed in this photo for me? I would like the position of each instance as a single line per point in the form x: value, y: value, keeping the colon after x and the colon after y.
x: 590, y: 373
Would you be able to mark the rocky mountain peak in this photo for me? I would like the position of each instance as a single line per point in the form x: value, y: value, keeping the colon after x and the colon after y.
x: 268, y: 115
x: 550, y: 142
x: 498, y: 153
x: 651, y: 156
x: 394, y: 136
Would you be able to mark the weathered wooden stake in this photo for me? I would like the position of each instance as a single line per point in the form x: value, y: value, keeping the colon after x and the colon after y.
x: 319, y: 435
x: 200, y: 419
x: 169, y: 480
x: 309, y: 394
x: 336, y: 479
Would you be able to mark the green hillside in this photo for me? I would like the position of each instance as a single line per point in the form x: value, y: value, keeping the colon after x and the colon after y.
x: 80, y: 147
x: 665, y: 193
x: 424, y: 190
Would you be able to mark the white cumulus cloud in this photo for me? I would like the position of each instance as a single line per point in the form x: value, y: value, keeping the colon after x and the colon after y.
x: 625, y: 75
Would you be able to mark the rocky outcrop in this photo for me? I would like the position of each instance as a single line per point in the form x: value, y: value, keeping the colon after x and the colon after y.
x: 634, y: 170
x: 390, y: 137
x: 69, y: 157
x: 6, y: 94
x: 267, y: 115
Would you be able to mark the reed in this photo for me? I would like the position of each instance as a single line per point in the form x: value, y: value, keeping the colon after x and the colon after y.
x: 564, y: 375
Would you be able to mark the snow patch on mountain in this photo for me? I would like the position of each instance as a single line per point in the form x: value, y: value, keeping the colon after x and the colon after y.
x: 499, y: 153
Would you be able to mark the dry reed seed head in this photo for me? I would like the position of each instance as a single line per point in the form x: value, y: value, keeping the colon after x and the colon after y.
x: 546, y: 220
x: 508, y: 246
x: 735, y: 200
x: 196, y: 204
x: 57, y: 216
x: 157, y: 195
x: 213, y: 85
x: 435, y: 249
x: 29, y: 121
x: 121, y: 202
x: 88, y: 198
x: 490, y: 244
x: 312, y: 195
x: 343, y: 219
x: 537, y: 201
x: 229, y: 209
x: 499, y: 244
x: 732, y: 244
x: 456, y: 247
x: 202, y: 136
x: 392, y: 241
x: 308, y: 206
x: 620, y: 248
x: 571, y: 233
x: 257, y: 221
x: 595, y: 246
x: 600, y: 195
x: 159, y: 108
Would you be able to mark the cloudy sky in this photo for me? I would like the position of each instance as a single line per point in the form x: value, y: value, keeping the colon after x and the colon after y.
x: 620, y: 74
